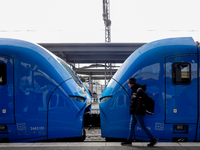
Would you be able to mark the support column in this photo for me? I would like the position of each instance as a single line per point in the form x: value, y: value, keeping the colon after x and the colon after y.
x: 105, y: 74
x: 90, y: 83
x: 110, y: 71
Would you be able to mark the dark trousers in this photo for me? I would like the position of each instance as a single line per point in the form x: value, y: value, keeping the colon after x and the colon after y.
x: 133, y: 121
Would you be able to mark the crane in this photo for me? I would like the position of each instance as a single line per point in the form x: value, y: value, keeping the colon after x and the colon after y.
x: 107, y: 21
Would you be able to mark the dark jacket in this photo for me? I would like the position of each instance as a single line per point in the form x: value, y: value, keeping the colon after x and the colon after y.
x: 137, y: 100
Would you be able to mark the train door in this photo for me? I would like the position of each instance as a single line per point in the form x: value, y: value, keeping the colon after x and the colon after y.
x: 6, y: 90
x: 181, y: 105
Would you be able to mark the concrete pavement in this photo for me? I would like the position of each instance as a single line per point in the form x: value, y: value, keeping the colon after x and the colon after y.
x: 98, y: 146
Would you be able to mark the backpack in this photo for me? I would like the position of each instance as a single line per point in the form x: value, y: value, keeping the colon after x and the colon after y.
x: 149, y: 104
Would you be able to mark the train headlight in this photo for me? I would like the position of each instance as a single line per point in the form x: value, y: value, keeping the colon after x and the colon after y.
x: 78, y: 98
x: 104, y: 99
x: 179, y: 127
x: 3, y: 128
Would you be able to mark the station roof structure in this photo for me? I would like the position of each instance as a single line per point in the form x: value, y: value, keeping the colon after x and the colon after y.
x: 98, y: 54
x: 92, y: 52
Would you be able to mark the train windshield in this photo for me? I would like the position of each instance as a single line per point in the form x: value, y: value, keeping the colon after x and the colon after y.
x: 70, y: 71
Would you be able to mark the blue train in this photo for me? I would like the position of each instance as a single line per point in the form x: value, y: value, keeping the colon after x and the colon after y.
x: 170, y: 70
x: 41, y: 97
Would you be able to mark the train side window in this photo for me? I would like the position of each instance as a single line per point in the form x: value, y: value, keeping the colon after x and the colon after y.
x: 181, y: 73
x: 3, y: 74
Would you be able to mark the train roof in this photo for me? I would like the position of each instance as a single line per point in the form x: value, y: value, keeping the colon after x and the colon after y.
x: 34, y: 53
x: 170, y: 42
x: 154, y: 52
x: 22, y: 45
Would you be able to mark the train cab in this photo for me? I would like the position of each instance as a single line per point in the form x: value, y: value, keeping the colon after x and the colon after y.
x: 170, y: 70
x: 42, y: 98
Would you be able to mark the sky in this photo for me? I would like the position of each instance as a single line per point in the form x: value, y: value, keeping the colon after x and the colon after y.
x: 81, y: 21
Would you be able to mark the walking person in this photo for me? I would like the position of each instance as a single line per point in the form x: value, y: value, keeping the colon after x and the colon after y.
x: 137, y: 112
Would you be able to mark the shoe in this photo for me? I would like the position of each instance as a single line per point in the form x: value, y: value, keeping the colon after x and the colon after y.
x: 152, y: 142
x: 127, y: 142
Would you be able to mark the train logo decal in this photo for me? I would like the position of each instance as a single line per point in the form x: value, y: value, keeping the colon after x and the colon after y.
x: 21, y: 126
x: 80, y: 91
x: 159, y: 126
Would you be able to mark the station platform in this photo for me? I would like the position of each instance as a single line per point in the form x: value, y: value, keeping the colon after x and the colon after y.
x: 98, y: 146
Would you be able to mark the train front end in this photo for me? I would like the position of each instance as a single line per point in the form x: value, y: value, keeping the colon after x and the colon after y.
x: 42, y: 98
x: 168, y: 67
x: 114, y: 111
